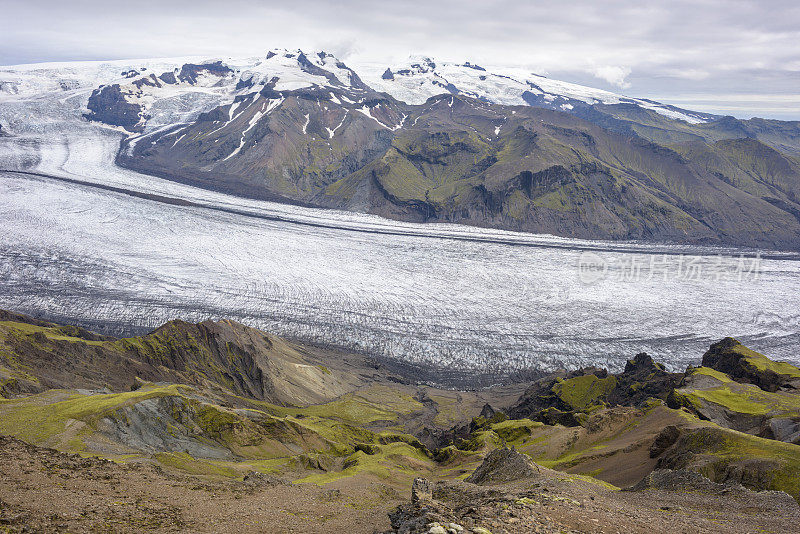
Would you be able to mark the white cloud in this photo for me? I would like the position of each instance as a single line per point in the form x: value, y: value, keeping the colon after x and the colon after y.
x: 613, y: 74
x: 645, y: 47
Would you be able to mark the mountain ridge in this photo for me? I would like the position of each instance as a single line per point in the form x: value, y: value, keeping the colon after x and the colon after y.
x: 500, y: 152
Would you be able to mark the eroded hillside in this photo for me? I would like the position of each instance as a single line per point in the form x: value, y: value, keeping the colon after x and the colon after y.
x: 229, y: 417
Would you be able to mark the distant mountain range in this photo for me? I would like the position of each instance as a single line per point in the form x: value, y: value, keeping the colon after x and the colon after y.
x: 434, y: 142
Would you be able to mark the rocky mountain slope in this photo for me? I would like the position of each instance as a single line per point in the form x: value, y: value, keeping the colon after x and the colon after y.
x: 224, y: 356
x: 242, y: 413
x: 434, y: 141
x: 58, y: 492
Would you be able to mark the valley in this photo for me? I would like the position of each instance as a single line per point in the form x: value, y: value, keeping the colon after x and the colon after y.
x: 220, y: 427
x: 541, y: 276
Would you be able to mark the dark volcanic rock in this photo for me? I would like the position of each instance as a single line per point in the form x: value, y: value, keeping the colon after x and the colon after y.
x: 168, y: 77
x: 643, y: 378
x: 488, y: 412
x: 641, y: 366
x: 664, y: 440
x: 108, y: 105
x: 737, y: 361
x: 421, y: 490
x: 150, y: 81
x: 190, y: 71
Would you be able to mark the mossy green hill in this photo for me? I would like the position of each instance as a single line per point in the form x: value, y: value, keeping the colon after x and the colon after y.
x: 610, y: 172
x: 223, y: 400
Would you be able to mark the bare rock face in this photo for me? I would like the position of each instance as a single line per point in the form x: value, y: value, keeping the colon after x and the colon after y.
x: 487, y: 412
x: 109, y: 105
x: 503, y: 465
x: 255, y: 479
x: 676, y: 480
x: 784, y: 429
x: 421, y: 491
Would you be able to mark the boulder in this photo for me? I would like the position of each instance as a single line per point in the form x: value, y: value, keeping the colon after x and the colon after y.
x: 784, y: 429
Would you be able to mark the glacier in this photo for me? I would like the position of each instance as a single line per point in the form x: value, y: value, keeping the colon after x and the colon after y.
x: 89, y: 242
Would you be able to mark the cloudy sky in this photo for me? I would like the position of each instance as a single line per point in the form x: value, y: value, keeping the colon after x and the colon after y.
x: 734, y: 57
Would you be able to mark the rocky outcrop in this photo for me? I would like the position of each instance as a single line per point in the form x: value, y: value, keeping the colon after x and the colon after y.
x: 664, y: 440
x: 683, y: 480
x: 214, y: 350
x: 743, y: 390
x: 190, y: 71
x: 109, y: 105
x: 783, y: 429
x: 642, y: 379
x: 421, y: 491
x: 224, y: 355
x: 744, y: 365
x: 728, y: 457
x: 503, y: 465
x: 562, y: 399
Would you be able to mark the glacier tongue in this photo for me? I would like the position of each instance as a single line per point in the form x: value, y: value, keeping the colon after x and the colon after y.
x: 439, y: 294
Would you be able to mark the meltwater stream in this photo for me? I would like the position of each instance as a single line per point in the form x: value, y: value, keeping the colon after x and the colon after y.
x: 79, y: 242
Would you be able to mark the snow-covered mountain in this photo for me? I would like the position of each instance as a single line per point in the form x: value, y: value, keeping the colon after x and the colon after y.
x: 423, y: 77
x: 152, y: 93
x: 155, y: 93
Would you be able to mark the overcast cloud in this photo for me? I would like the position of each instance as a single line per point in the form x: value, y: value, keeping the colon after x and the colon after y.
x: 725, y: 56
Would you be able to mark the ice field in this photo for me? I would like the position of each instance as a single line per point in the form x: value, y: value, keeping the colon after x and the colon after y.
x: 80, y: 243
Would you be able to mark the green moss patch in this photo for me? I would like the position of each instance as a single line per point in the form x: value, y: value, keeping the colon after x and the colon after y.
x: 516, y: 432
x: 582, y: 392
x: 194, y: 466
x: 713, y: 373
x: 51, y: 333
x: 761, y: 463
x: 762, y: 363
x: 744, y: 399
x: 389, y: 462
x: 36, y: 419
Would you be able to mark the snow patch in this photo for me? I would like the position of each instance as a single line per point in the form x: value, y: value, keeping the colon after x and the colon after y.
x: 266, y: 108
x: 331, y: 132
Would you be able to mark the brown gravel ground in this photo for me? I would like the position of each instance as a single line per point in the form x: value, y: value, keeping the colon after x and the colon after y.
x: 42, y: 490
